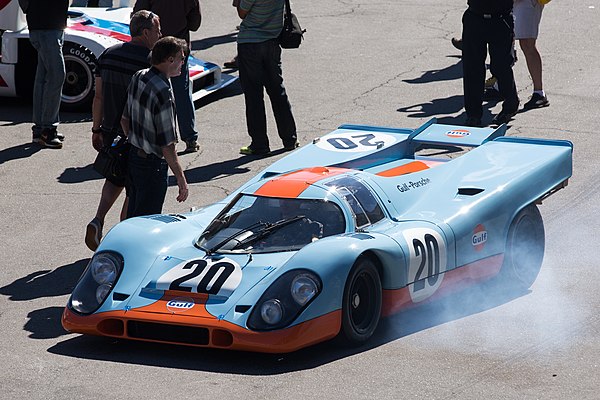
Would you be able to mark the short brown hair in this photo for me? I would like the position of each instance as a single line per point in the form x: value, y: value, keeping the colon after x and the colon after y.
x: 166, y: 47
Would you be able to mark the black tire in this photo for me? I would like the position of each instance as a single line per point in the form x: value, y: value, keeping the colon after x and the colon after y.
x: 525, y: 246
x: 78, y: 89
x: 361, y: 303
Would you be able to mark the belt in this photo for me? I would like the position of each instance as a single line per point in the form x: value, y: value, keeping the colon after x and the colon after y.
x: 488, y: 15
x: 142, y: 154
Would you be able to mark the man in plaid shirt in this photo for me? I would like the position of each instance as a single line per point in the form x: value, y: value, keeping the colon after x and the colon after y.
x: 149, y: 122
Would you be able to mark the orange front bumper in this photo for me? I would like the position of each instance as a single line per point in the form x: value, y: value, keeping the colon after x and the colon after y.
x: 201, y: 329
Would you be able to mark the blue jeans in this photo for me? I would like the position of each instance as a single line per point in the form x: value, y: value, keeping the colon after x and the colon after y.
x: 49, y: 77
x: 260, y: 70
x: 186, y: 119
x: 148, y: 178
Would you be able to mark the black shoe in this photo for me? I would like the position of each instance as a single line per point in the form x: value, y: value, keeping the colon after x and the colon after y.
x: 49, y: 138
x: 191, y: 146
x: 233, y: 64
x: 536, y: 101
x: 503, y: 118
x: 457, y: 42
x: 473, y: 122
x: 291, y: 146
x: 37, y: 137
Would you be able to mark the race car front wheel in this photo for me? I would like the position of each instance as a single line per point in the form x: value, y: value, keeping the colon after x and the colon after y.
x: 361, y: 304
x: 78, y: 89
x: 524, y: 249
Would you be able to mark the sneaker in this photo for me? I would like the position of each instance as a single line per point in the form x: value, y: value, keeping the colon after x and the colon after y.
x: 191, y: 146
x: 473, y: 122
x: 457, y: 43
x: 249, y: 151
x: 503, y: 118
x: 536, y: 101
x: 292, y: 146
x: 93, y: 234
x: 49, y: 138
x: 37, y: 136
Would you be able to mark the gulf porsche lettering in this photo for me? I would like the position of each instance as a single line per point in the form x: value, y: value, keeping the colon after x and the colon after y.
x: 180, y: 305
x: 220, y: 277
x: 427, y: 262
x: 355, y: 142
x: 479, y: 237
x: 458, y: 133
x: 406, y: 186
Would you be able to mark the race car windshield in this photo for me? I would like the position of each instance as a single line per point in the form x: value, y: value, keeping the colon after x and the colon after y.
x: 254, y: 224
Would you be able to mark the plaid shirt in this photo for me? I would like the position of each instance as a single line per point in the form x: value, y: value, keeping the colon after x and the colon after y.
x: 150, y: 109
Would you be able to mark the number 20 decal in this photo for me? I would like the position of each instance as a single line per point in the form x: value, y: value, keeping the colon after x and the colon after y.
x: 427, y: 262
x: 356, y: 142
x: 220, y: 277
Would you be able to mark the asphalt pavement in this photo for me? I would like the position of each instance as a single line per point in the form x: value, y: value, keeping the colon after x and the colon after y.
x: 387, y: 63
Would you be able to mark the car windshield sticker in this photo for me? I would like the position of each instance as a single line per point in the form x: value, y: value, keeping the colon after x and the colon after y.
x: 355, y: 142
x: 427, y: 262
x: 180, y: 305
x: 216, y: 277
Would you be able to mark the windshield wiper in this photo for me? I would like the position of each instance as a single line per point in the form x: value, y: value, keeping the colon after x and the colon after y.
x: 217, y: 246
x: 268, y: 229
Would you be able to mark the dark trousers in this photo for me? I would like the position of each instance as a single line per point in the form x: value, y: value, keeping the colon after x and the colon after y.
x: 260, y: 69
x: 479, y: 35
x: 147, y: 183
x: 184, y: 105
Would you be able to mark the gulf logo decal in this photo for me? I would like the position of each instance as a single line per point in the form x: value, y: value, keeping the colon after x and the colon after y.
x: 180, y: 304
x: 458, y: 133
x: 479, y: 237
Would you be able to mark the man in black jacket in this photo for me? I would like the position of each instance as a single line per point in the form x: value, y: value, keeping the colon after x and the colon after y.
x: 47, y: 20
x: 488, y: 23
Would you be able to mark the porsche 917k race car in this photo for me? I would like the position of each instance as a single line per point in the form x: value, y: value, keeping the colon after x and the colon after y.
x: 89, y: 32
x: 350, y: 228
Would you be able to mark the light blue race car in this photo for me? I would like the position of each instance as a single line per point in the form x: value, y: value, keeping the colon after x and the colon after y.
x: 348, y: 229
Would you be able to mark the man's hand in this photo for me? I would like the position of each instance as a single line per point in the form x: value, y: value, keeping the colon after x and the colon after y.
x: 183, y: 190
x: 97, y: 141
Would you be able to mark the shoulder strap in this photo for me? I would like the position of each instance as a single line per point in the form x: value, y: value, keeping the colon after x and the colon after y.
x: 288, y: 11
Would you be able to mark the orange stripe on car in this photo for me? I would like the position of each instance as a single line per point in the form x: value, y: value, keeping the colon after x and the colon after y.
x: 293, y: 184
x: 409, y: 168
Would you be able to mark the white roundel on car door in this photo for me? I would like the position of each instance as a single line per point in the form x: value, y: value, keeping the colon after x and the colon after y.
x: 355, y: 141
x: 215, y: 277
x: 427, y: 262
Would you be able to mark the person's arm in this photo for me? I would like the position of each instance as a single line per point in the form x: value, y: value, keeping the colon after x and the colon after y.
x: 171, y: 158
x: 125, y: 125
x: 97, y: 110
x: 194, y: 16
x: 241, y: 13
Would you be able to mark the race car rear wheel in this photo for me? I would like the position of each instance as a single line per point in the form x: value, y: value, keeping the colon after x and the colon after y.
x: 361, y: 304
x: 524, y: 249
x: 78, y: 89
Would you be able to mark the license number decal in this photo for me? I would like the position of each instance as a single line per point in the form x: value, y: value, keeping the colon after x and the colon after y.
x: 355, y: 142
x: 427, y: 262
x: 216, y: 277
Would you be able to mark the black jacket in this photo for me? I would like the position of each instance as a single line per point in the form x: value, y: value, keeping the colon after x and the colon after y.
x: 491, y: 6
x: 45, y: 14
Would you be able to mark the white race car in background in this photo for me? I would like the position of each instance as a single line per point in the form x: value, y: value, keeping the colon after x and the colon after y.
x: 89, y: 32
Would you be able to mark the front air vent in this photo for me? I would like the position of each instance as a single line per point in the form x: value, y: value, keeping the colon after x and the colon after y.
x: 166, y: 218
x: 167, y: 333
x: 120, y: 296
x: 242, y: 309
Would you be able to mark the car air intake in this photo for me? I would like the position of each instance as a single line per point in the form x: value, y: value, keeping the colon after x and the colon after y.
x: 167, y: 333
x: 203, y: 82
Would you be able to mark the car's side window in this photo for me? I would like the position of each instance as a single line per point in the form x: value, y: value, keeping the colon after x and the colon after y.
x: 360, y: 199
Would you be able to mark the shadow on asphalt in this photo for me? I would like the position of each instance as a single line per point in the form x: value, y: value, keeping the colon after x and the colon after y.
x: 453, y: 307
x: 209, y: 42
x: 449, y: 73
x: 19, y: 151
x: 79, y: 174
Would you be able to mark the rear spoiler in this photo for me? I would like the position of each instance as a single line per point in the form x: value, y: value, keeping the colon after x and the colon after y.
x: 432, y: 133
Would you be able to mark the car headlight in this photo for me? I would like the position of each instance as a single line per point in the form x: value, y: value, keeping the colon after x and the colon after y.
x: 96, y: 283
x: 284, y: 300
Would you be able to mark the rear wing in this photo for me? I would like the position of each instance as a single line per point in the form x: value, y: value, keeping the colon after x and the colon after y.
x: 432, y: 133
